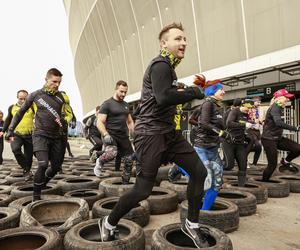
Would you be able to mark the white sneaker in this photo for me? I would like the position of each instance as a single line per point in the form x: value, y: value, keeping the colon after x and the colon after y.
x: 98, y: 168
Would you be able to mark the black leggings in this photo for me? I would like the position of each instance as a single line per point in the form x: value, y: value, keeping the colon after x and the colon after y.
x: 143, y: 187
x: 1, y: 150
x: 254, y: 145
x: 271, y: 147
x: 23, y: 159
x: 235, y: 152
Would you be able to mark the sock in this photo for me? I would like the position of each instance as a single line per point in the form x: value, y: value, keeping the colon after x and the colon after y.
x: 107, y: 225
x: 183, y: 172
x: 192, y: 224
x: 209, y: 199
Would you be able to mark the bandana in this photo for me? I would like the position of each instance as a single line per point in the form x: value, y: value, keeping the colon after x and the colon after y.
x: 174, y: 61
x: 48, y: 90
x: 212, y: 89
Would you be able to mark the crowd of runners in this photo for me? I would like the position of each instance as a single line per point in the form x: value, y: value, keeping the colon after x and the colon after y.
x: 38, y: 122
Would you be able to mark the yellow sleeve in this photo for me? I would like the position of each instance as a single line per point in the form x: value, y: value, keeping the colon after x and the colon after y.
x: 66, y: 109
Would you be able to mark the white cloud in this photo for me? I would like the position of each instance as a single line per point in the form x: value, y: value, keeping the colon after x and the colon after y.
x: 34, y: 38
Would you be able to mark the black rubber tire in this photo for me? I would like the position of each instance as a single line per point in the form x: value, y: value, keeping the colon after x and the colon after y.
x: 224, y: 215
x: 78, y: 182
x: 170, y: 237
x: 230, y: 172
x: 24, y: 201
x: 228, y: 178
x: 30, y: 238
x: 5, y: 172
x: 103, y: 175
x: 71, y: 211
x: 85, y: 236
x: 5, y: 189
x: 81, y: 170
x: 12, y: 178
x: 162, y: 174
x: 27, y: 190
x: 4, y: 182
x: 140, y: 214
x: 9, y: 217
x: 277, y: 188
x: 179, y: 187
x: 113, y: 186
x: 5, y: 199
x: 21, y: 183
x: 245, y: 201
x: 89, y: 195
x: 293, y: 180
x: 258, y: 190
x: 77, y: 164
x: 60, y: 177
x: 162, y: 201
x: 282, y: 170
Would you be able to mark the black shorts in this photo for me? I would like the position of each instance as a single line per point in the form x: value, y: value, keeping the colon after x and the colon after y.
x: 43, y: 143
x: 154, y: 150
x: 123, y: 144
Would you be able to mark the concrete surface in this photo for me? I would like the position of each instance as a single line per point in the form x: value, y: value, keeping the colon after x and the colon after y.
x: 275, y: 226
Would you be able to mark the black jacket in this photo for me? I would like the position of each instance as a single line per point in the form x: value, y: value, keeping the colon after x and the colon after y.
x: 155, y: 114
x: 274, y: 124
x: 236, y: 126
x: 48, y: 117
x: 210, y: 122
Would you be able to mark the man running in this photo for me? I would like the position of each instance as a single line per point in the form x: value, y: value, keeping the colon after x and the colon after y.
x: 48, y: 128
x: 22, y: 134
x: 272, y: 138
x: 156, y: 140
x: 113, y: 122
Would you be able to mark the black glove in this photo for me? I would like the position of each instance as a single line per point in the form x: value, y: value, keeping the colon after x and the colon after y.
x: 108, y: 140
x: 227, y: 136
x: 9, y: 134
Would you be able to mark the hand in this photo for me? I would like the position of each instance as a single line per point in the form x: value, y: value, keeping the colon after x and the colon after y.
x: 9, y: 135
x: 1, y: 134
x: 249, y: 125
x: 107, y: 139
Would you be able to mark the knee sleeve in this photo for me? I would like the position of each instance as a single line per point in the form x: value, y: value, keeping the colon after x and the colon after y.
x: 110, y: 152
x: 39, y: 177
x: 217, y: 176
x: 127, y: 168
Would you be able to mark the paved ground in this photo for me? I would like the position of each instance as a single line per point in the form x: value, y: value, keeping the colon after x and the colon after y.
x: 275, y: 226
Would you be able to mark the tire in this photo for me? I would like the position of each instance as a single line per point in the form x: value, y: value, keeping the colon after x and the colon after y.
x: 79, y: 182
x: 60, y: 214
x: 224, y: 215
x: 30, y: 238
x: 179, y: 187
x: 81, y: 170
x: 9, y: 218
x: 5, y: 199
x: 77, y: 164
x: 24, y: 201
x: 27, y: 190
x: 85, y: 236
x: 5, y: 189
x: 228, y: 178
x: 258, y: 190
x: 162, y: 201
x: 277, y: 188
x: 170, y: 237
x: 4, y: 182
x: 245, y: 201
x: 162, y: 174
x: 12, y: 178
x: 139, y: 214
x: 293, y: 180
x: 114, y: 187
x: 60, y: 177
x: 103, y: 175
x: 230, y: 172
x: 282, y: 170
x: 113, y: 173
x: 89, y: 195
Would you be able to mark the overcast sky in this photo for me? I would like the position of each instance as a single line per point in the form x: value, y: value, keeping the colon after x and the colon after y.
x: 34, y: 37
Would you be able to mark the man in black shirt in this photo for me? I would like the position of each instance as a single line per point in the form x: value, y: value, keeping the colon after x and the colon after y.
x: 156, y: 140
x: 113, y: 122
x: 48, y: 128
x: 272, y: 138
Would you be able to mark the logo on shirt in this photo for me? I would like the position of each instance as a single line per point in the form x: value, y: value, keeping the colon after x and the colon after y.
x: 51, y: 110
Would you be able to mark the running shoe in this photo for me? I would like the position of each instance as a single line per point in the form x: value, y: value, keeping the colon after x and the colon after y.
x: 174, y: 174
x: 94, y: 157
x: 98, y: 168
x: 105, y: 233
x: 198, y: 235
x: 28, y: 175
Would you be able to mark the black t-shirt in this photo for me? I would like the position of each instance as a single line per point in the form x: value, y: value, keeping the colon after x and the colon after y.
x: 117, y: 114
